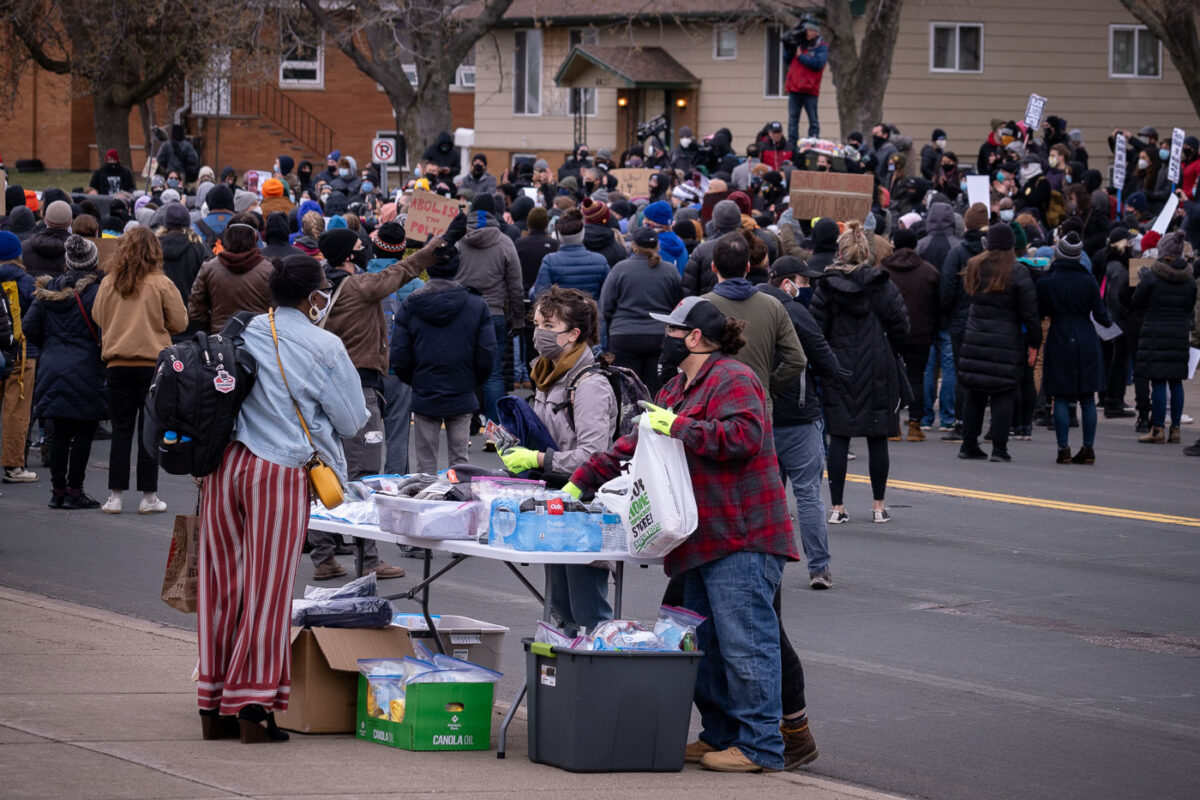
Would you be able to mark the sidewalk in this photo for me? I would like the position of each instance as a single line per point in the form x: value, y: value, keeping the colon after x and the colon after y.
x: 95, y: 704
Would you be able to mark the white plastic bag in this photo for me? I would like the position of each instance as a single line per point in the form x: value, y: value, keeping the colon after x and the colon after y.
x: 654, y: 498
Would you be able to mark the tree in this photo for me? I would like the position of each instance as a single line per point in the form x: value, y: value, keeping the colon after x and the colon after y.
x: 1173, y: 22
x: 381, y: 37
x: 125, y: 52
x: 860, y: 70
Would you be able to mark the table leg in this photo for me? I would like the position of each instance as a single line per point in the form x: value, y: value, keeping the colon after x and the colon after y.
x: 359, y: 544
x: 618, y: 588
x: 508, y: 718
x: 437, y: 637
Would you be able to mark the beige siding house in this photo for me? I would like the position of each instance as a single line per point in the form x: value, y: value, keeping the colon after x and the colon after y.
x: 956, y: 66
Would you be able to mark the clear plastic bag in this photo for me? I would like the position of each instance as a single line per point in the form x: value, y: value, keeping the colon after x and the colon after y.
x: 676, y: 628
x: 487, y: 489
x: 366, y: 586
x: 624, y: 634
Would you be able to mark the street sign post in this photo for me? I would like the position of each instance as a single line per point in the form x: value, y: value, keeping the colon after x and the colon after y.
x: 383, y: 152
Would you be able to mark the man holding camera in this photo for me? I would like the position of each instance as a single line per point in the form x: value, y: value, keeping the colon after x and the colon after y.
x: 805, y: 53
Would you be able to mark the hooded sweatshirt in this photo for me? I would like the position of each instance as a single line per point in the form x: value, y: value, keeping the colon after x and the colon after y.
x: 824, y: 244
x: 939, y: 238
x: 21, y: 223
x: 917, y: 281
x: 489, y: 265
x: 229, y: 283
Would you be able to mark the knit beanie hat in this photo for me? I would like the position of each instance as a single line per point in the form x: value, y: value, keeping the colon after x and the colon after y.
x: 1000, y: 237
x: 905, y: 239
x: 484, y: 202
x: 169, y: 196
x: 278, y: 228
x: 742, y: 201
x: 176, y: 216
x: 390, y: 239
x: 1150, y: 240
x: 1069, y: 247
x: 659, y: 212
x: 1170, y: 247
x: 242, y: 200
x: 727, y: 216
x: 336, y: 245
x: 594, y: 212
x: 285, y: 164
x: 976, y: 217
x: 10, y: 246
x: 272, y: 187
x: 335, y: 222
x: 58, y: 215
x: 537, y: 220
x: 31, y: 200
x: 219, y: 198
x: 81, y: 253
x: 14, y: 196
x: 685, y: 229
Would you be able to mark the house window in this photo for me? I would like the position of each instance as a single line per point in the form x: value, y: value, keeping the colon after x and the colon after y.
x: 302, y: 63
x: 527, y: 72
x: 1133, y: 52
x: 724, y: 42
x: 774, y: 69
x: 585, y: 98
x: 410, y: 72
x: 464, y: 76
x: 955, y: 47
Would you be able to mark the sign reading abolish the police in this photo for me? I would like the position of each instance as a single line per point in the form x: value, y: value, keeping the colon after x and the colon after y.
x: 836, y: 195
x: 429, y: 215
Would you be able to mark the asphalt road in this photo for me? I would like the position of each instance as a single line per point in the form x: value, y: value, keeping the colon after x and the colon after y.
x: 971, y: 648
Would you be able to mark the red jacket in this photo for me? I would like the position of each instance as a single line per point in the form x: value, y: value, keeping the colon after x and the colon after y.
x: 807, y: 66
x: 773, y: 155
x: 1188, y: 175
x: 726, y: 431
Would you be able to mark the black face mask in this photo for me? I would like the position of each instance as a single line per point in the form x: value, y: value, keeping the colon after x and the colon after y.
x: 477, y: 170
x: 589, y: 186
x: 113, y: 168
x: 878, y: 141
x: 360, y: 258
x: 674, y: 351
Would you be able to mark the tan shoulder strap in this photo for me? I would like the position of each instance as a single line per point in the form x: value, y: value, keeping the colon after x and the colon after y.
x: 282, y: 374
x: 329, y: 309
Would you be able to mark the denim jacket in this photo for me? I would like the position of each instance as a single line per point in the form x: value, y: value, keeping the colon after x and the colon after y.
x: 323, y: 382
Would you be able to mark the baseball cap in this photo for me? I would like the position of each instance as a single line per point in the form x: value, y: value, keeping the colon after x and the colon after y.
x: 775, y: 127
x: 695, y: 312
x: 793, y: 265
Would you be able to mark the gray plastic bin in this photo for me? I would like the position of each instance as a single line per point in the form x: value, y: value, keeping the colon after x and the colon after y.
x: 605, y: 711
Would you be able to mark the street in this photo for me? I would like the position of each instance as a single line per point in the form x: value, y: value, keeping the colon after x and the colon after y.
x: 1042, y: 643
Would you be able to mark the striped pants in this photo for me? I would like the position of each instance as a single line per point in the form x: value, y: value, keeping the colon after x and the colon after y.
x: 253, y: 517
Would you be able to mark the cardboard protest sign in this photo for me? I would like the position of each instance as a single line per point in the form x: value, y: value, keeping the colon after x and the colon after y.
x: 1135, y: 266
x: 633, y: 181
x: 978, y: 191
x: 836, y: 195
x: 710, y: 201
x: 429, y: 215
x: 1034, y: 110
x: 1176, y: 155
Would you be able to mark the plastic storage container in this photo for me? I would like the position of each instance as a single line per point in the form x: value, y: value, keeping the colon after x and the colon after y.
x: 427, y: 519
x: 624, y: 711
x: 464, y: 638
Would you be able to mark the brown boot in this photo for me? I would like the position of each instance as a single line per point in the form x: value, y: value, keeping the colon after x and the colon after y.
x: 1155, y: 436
x: 799, y: 748
x: 384, y: 571
x: 915, y: 434
x: 896, y: 437
x: 328, y: 569
x: 697, y: 750
x: 1173, y: 436
x: 731, y: 760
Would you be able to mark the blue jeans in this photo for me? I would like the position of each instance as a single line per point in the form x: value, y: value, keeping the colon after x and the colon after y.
x: 493, y: 389
x: 1158, y: 402
x: 1062, y: 419
x: 737, y: 688
x: 940, y: 352
x: 801, y: 453
x: 397, y: 423
x: 579, y: 595
x: 796, y: 103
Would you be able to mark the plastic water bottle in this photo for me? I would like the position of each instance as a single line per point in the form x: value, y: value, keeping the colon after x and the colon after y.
x: 169, y: 438
x: 612, y: 533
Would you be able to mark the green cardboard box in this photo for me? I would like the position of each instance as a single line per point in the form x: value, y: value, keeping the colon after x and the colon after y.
x: 437, y: 716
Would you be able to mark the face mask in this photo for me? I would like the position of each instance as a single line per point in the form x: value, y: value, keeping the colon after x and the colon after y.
x: 1164, y: 154
x: 941, y: 144
x: 962, y: 186
x: 305, y: 173
x: 546, y: 343
x: 173, y: 183
x: 878, y: 141
x: 674, y: 351
x: 318, y: 314
x: 590, y: 186
x: 1006, y: 214
x: 367, y: 187
x: 805, y: 295
x: 477, y: 170
x: 360, y: 258
x: 1069, y: 179
x: 685, y: 142
x: 344, y: 173
x: 1054, y: 161
x: 1029, y: 172
x: 1143, y: 163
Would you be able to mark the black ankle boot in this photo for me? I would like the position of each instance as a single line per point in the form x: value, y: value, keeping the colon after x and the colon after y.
x: 258, y: 725
x: 56, y: 498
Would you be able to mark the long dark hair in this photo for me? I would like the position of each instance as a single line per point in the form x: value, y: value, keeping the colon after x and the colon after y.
x: 994, y: 266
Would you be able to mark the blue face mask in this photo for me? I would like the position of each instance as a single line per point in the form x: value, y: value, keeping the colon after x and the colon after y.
x: 1068, y: 179
x: 1164, y: 154
x: 344, y: 173
x: 367, y: 187
x: 963, y: 186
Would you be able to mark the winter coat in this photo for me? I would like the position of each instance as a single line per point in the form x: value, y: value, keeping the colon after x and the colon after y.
x: 951, y: 297
x: 486, y: 184
x: 70, y: 375
x: 221, y: 290
x: 806, y: 65
x: 790, y: 408
x: 443, y: 153
x: 44, y: 253
x: 13, y: 271
x: 1072, y: 363
x: 824, y: 244
x: 601, y: 239
x: 1166, y: 294
x: 572, y: 267
x: 939, y: 238
x: 862, y: 317
x: 917, y: 281
x: 531, y: 249
x: 443, y: 345
x: 1118, y: 294
x: 108, y: 180
x: 488, y: 264
x: 178, y: 155
x: 931, y: 159
x: 999, y: 327
x: 594, y: 413
x: 698, y: 276
x: 134, y: 330
x: 634, y: 290
x: 182, y: 259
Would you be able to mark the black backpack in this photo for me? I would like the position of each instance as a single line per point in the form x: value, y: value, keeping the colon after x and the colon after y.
x: 8, y: 340
x: 627, y: 388
x: 192, y: 405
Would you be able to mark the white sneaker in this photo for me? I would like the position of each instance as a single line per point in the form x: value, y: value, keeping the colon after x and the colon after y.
x: 19, y: 475
x: 147, y: 507
x: 1186, y: 420
x: 112, y: 505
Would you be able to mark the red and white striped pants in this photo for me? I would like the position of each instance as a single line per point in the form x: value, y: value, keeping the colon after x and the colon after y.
x: 253, y: 518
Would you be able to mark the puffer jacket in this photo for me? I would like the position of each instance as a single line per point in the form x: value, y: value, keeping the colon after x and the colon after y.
x: 999, y: 326
x: 226, y: 285
x: 488, y: 263
x: 603, y: 240
x: 917, y: 281
x: 44, y: 253
x: 595, y: 414
x: 70, y: 375
x: 862, y: 316
x: 954, y: 302
x: 13, y: 271
x: 824, y: 244
x: 572, y: 267
x: 1166, y: 294
x: 1118, y: 294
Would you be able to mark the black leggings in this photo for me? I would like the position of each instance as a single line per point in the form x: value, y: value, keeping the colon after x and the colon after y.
x: 791, y: 672
x: 1002, y: 414
x: 877, y: 466
x: 640, y: 353
x: 70, y: 448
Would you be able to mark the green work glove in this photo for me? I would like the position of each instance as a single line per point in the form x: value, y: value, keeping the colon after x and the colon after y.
x: 573, y: 490
x: 519, y: 459
x: 661, y: 419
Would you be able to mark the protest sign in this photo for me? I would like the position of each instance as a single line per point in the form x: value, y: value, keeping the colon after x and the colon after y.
x: 633, y: 181
x: 978, y: 191
x: 836, y: 195
x: 1034, y: 110
x: 1119, y: 162
x: 1168, y: 212
x: 1176, y: 156
x: 710, y: 201
x: 429, y: 215
x: 1135, y: 266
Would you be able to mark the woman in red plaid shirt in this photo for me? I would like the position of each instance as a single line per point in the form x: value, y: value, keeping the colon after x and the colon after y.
x: 733, y: 563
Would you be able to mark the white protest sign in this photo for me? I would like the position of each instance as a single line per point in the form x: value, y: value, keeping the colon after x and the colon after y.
x: 1168, y: 212
x: 1106, y: 332
x: 1176, y: 155
x: 383, y: 151
x: 1193, y: 361
x: 1119, y: 162
x: 978, y: 192
x: 1034, y: 110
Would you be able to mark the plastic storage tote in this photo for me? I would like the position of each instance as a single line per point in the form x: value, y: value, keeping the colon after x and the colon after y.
x: 427, y: 519
x: 464, y: 638
x: 622, y: 711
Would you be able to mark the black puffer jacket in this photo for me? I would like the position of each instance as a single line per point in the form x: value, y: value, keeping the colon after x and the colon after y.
x: 824, y: 244
x: 1166, y: 294
x: 44, y: 253
x: 862, y: 316
x: 951, y: 297
x: 789, y: 407
x: 601, y: 239
x: 70, y: 375
x: 999, y: 326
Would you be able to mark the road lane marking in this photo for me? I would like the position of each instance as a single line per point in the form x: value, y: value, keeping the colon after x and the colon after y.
x: 1033, y: 502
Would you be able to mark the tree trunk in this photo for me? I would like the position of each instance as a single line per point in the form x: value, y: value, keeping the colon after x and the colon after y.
x: 112, y: 126
x: 426, y: 117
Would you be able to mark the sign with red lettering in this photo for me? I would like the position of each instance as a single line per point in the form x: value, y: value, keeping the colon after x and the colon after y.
x: 429, y: 215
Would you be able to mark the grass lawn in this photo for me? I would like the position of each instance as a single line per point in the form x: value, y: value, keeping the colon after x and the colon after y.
x: 63, y: 179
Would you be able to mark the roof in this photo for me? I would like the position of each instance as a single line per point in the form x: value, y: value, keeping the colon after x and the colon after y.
x: 632, y: 68
x: 572, y: 12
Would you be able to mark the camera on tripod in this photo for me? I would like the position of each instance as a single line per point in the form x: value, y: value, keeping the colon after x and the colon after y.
x: 652, y: 127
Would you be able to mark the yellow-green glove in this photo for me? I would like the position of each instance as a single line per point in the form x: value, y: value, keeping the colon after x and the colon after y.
x: 573, y: 490
x: 519, y: 459
x: 661, y: 419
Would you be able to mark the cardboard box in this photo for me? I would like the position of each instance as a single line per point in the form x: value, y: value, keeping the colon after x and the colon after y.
x: 836, y: 195
x: 464, y: 638
x: 324, y: 695
x: 437, y: 716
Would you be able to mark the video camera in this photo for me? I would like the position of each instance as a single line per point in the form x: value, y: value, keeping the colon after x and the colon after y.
x: 652, y: 127
x: 794, y: 37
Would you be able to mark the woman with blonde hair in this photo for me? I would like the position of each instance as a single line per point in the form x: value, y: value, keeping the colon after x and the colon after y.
x: 137, y: 309
x: 863, y: 317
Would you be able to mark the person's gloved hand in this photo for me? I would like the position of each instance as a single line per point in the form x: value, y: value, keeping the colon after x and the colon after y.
x: 519, y: 459
x: 573, y: 490
x: 661, y: 419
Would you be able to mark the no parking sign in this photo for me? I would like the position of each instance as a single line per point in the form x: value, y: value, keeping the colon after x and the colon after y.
x: 383, y: 151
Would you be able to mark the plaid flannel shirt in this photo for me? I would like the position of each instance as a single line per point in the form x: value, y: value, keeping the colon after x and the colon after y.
x: 725, y: 429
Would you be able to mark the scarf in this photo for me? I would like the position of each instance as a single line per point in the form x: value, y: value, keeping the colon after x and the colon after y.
x: 545, y: 373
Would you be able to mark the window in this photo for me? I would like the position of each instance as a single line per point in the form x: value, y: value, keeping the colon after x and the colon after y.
x: 464, y: 75
x: 302, y: 63
x: 724, y: 42
x: 410, y: 72
x: 582, y: 97
x: 955, y: 47
x: 774, y: 69
x: 527, y: 72
x: 1133, y: 52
